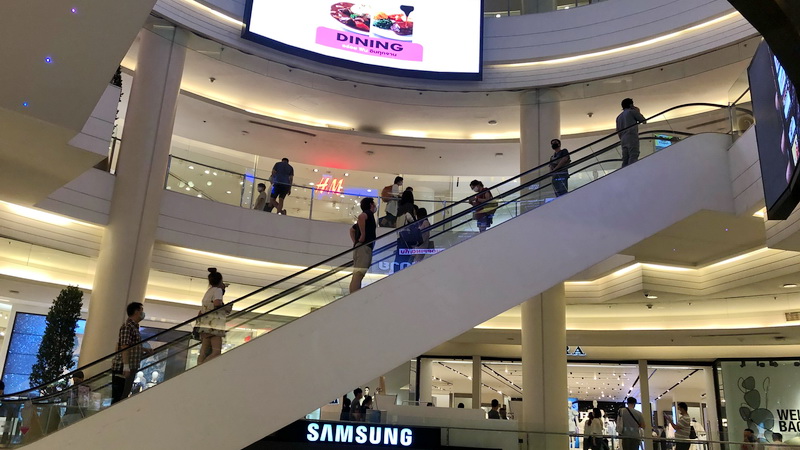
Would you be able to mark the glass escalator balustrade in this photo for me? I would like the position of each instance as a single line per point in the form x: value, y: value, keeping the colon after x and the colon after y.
x: 37, y: 412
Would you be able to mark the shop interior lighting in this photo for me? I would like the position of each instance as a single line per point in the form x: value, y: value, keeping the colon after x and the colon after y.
x: 790, y: 285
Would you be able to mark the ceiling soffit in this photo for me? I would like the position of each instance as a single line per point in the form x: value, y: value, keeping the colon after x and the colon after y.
x: 509, y: 39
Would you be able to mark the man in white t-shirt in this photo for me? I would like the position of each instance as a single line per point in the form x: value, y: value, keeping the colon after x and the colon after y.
x: 630, y: 424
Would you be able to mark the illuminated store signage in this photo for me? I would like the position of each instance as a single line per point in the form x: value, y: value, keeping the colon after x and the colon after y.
x: 420, y: 38
x: 359, y: 434
x: 328, y: 184
x: 315, y: 434
x: 577, y: 351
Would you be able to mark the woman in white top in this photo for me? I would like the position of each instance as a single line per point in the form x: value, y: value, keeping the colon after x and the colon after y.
x: 212, y: 325
x: 683, y: 428
x: 594, y: 429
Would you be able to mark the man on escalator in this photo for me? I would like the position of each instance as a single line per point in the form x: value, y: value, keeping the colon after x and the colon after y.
x: 126, y: 362
x: 629, y: 137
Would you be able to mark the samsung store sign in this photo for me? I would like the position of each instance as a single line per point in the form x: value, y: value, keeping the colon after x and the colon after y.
x: 360, y: 434
x: 315, y: 434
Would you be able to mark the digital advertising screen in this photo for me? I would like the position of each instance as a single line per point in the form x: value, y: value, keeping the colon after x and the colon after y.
x: 777, y: 115
x: 438, y: 39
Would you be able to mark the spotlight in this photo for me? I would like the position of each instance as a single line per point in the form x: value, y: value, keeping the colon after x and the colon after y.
x: 797, y: 363
x: 761, y: 364
x: 773, y: 363
x: 743, y: 364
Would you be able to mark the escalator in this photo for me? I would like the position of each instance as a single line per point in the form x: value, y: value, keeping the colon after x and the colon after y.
x: 292, y: 366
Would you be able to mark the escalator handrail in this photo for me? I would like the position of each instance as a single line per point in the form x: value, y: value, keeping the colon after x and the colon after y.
x: 522, y: 186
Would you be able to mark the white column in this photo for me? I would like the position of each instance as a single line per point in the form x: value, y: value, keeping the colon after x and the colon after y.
x: 477, y: 380
x: 540, y: 121
x: 544, y: 368
x: 537, y: 6
x: 127, y: 245
x: 644, y: 387
x: 712, y: 416
x: 425, y: 380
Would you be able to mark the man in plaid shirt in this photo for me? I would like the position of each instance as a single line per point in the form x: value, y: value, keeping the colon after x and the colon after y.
x: 126, y: 363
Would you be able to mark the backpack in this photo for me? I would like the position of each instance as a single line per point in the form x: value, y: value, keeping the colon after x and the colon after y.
x: 386, y: 193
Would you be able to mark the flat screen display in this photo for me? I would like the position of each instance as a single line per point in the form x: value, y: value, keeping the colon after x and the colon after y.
x: 420, y: 38
x: 777, y: 115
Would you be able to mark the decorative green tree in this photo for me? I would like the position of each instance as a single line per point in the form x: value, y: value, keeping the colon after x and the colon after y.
x: 56, y: 349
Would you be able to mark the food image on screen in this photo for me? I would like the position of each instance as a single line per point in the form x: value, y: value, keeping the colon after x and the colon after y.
x: 394, y: 26
x: 351, y: 15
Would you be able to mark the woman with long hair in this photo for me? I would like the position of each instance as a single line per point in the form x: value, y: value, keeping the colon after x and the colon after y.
x: 211, y: 326
x: 594, y: 429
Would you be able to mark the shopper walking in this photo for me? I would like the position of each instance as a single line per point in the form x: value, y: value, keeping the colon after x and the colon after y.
x: 683, y: 428
x: 630, y: 424
x: 594, y: 429
x: 558, y: 168
x: 126, y: 363
x: 211, y: 323
x: 391, y: 196
x: 261, y: 200
x: 628, y: 131
x: 282, y: 179
x: 363, y: 235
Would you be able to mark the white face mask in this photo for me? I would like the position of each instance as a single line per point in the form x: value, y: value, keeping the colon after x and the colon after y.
x: 476, y: 189
x: 142, y: 315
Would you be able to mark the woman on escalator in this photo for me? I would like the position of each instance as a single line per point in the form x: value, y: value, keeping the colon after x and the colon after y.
x: 211, y: 326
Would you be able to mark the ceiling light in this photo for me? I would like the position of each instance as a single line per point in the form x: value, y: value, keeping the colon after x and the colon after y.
x: 199, y: 195
x: 191, y: 167
x: 48, y: 60
x: 346, y: 174
x: 498, y: 16
x: 311, y: 184
x: 316, y: 170
x: 207, y: 172
x: 25, y: 104
x: 369, y: 190
x: 650, y: 296
x: 790, y: 285
x: 208, y: 183
x: 74, y: 10
x: 227, y: 192
x: 375, y: 178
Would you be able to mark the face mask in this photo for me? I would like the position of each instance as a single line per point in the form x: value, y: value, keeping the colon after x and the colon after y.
x: 476, y: 189
x: 555, y: 146
x: 143, y: 315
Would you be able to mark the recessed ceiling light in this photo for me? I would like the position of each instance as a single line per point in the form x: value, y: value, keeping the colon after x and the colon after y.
x: 651, y: 296
x: 375, y: 178
x: 498, y: 16
x: 316, y: 170
x: 48, y: 59
x: 346, y: 174
x: 492, y: 122
x: 790, y: 285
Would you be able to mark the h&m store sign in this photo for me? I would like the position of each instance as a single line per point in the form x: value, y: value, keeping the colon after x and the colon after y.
x: 318, y: 434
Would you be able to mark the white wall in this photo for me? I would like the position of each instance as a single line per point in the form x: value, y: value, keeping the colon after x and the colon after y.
x: 518, y: 258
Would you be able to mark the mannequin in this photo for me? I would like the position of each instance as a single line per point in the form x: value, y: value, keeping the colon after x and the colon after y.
x: 153, y: 379
x: 572, y: 417
x: 139, y: 383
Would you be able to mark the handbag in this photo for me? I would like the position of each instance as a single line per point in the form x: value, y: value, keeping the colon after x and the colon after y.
x: 692, y: 433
